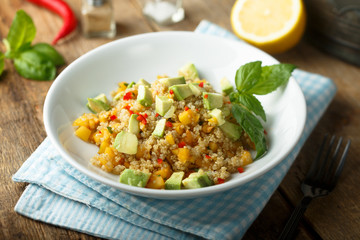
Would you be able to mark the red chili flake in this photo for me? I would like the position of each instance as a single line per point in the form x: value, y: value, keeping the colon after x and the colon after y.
x: 156, y: 115
x: 206, y: 96
x: 207, y: 156
x: 113, y: 117
x: 197, y: 109
x: 168, y: 124
x: 128, y: 96
x: 228, y: 102
x: 131, y: 112
x: 220, y: 180
x: 171, y: 91
x: 186, y: 108
x: 240, y: 169
x: 127, y: 107
x: 160, y: 161
x: 99, y: 131
x: 265, y: 132
x: 181, y: 144
x: 201, y: 84
x: 145, y: 115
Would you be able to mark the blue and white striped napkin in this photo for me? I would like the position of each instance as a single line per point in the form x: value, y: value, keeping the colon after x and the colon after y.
x: 59, y: 194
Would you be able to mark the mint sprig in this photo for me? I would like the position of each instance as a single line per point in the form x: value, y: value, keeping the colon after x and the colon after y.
x: 37, y: 61
x: 253, y: 79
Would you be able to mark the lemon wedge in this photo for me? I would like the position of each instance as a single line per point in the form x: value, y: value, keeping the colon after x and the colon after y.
x: 273, y: 26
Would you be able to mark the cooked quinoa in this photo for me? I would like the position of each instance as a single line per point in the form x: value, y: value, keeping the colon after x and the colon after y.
x: 192, y: 139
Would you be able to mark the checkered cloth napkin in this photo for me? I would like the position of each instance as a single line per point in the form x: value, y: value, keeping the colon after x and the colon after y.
x: 59, y: 194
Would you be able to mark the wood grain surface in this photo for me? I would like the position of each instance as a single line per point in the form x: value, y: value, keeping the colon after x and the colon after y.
x: 336, y: 216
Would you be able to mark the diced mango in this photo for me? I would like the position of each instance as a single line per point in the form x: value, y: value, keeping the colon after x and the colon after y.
x: 103, y: 146
x: 170, y: 139
x: 83, y: 133
x: 206, y: 128
x: 178, y: 128
x: 184, y: 155
x: 165, y: 171
x: 213, y: 121
x: 188, y: 117
x: 110, y: 152
x: 189, y: 139
x: 155, y: 182
x: 122, y: 86
x: 246, y: 158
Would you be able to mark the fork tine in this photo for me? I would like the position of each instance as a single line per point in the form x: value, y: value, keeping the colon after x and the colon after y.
x: 341, y: 165
x: 331, y: 171
x: 322, y: 172
x: 315, y: 163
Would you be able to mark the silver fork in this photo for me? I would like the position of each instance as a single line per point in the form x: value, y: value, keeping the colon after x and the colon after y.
x: 320, y: 181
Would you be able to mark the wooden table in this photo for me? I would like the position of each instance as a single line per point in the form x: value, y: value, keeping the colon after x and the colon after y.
x: 336, y: 216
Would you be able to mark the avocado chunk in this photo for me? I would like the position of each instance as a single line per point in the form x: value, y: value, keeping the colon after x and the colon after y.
x: 197, y: 180
x: 225, y: 111
x: 134, y: 124
x: 144, y: 96
x: 172, y: 81
x: 189, y: 71
x: 226, y: 86
x: 174, y: 182
x: 181, y: 91
x: 134, y: 178
x: 98, y: 103
x: 143, y: 82
x: 196, y: 90
x: 160, y: 128
x: 170, y: 113
x: 212, y: 100
x: 162, y: 104
x: 217, y: 114
x: 126, y: 142
x: 231, y: 130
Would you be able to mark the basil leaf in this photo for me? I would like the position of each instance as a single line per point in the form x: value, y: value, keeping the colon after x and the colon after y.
x: 252, y: 126
x: 252, y: 104
x: 50, y: 53
x: 247, y: 76
x: 2, y: 62
x: 22, y: 32
x: 34, y: 65
x: 271, y: 78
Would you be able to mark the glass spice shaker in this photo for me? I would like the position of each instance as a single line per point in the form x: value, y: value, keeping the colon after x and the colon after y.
x: 98, y: 18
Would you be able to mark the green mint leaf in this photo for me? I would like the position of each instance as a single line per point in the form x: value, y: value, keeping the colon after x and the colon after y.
x: 50, y: 53
x: 22, y: 32
x: 2, y: 62
x: 252, y: 104
x: 34, y: 65
x: 252, y: 126
x: 271, y: 78
x: 247, y: 76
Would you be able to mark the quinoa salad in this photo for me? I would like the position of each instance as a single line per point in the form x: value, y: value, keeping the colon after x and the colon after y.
x: 175, y: 133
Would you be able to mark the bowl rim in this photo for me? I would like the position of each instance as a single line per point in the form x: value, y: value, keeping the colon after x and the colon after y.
x: 156, y: 193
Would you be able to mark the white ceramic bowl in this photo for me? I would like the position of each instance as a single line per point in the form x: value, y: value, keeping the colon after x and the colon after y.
x: 146, y: 56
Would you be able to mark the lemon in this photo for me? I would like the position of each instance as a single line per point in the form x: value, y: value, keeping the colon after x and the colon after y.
x: 271, y: 25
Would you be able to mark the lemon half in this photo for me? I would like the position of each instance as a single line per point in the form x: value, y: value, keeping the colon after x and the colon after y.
x: 271, y: 25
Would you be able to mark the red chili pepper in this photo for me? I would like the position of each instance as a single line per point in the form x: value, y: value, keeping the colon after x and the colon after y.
x: 160, y: 161
x: 168, y: 124
x: 220, y: 180
x: 201, y: 84
x: 99, y: 131
x: 181, y: 144
x: 171, y: 91
x: 156, y: 115
x: 113, y: 117
x: 127, y: 96
x: 207, y: 156
x: 186, y: 108
x: 206, y: 96
x: 145, y: 115
x: 240, y: 169
x: 62, y: 9
x: 141, y: 119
